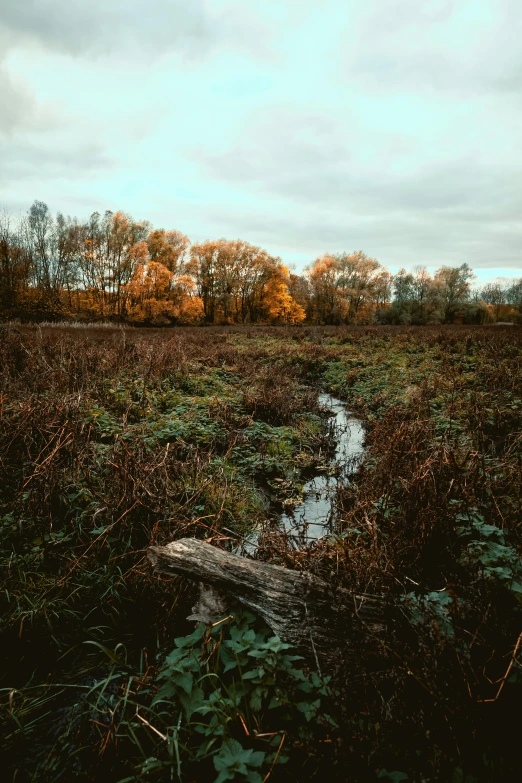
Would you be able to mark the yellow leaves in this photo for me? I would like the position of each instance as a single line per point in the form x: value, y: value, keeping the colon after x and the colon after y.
x: 138, y: 253
x: 154, y: 296
x: 150, y: 279
x: 158, y: 277
x: 323, y: 268
x: 234, y: 278
x: 190, y: 310
x: 167, y: 247
x: 186, y: 284
x: 280, y: 305
x: 346, y: 287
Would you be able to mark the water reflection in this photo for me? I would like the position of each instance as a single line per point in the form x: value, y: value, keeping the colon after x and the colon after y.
x: 312, y: 518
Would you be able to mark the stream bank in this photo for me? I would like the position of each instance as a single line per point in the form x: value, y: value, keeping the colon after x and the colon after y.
x: 314, y: 514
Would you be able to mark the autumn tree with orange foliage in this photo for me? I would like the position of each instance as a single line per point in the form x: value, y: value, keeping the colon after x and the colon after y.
x: 235, y: 281
x: 167, y: 248
x: 347, y: 287
x: 113, y: 246
x: 280, y: 306
x: 155, y: 296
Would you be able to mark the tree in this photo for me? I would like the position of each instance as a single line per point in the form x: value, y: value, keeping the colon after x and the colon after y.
x: 455, y: 288
x: 125, y: 248
x: 167, y: 248
x: 417, y: 298
x: 382, y: 288
x: 323, y: 281
x: 279, y: 304
x: 14, y: 265
x: 356, y: 282
x: 146, y: 292
x: 514, y: 295
x: 114, y: 266
x: 40, y: 229
x: 49, y: 245
x: 233, y: 278
x: 346, y: 287
x: 300, y: 290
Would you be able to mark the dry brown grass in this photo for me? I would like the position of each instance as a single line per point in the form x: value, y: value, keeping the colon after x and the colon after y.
x: 444, y: 443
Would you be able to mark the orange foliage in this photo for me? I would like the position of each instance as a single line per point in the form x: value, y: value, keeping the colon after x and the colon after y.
x: 167, y: 247
x: 189, y: 310
x: 280, y: 306
x: 347, y: 287
x: 233, y: 278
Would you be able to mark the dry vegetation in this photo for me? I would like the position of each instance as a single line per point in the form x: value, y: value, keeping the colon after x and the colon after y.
x: 113, y: 439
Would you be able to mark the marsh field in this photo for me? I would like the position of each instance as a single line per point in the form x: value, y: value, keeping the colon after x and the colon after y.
x: 113, y: 439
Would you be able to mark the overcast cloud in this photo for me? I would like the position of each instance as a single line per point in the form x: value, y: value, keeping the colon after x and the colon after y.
x: 394, y: 126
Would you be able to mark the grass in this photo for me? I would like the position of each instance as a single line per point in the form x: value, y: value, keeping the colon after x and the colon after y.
x: 112, y: 440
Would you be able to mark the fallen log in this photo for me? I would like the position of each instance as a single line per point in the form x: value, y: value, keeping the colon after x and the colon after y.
x: 320, y: 621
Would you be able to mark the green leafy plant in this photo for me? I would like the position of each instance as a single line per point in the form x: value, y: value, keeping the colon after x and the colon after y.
x: 232, y: 694
x: 435, y: 606
x: 487, y: 547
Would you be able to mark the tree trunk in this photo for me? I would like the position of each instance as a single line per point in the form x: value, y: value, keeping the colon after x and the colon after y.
x: 323, y: 623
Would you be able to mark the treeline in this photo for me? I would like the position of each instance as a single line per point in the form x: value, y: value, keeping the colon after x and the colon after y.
x: 112, y: 267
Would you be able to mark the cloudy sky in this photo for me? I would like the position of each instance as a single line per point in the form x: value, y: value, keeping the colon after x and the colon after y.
x: 304, y: 126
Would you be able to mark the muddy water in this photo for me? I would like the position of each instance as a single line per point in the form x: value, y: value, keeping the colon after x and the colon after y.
x: 313, y: 518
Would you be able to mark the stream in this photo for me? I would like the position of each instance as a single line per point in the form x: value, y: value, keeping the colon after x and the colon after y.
x: 313, y: 518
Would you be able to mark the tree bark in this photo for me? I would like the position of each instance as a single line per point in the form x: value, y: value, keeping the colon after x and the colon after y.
x: 322, y: 622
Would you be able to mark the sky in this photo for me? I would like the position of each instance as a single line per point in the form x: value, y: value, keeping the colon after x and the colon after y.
x: 305, y: 127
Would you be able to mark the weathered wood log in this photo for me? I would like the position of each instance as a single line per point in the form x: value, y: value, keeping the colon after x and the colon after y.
x: 301, y: 609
